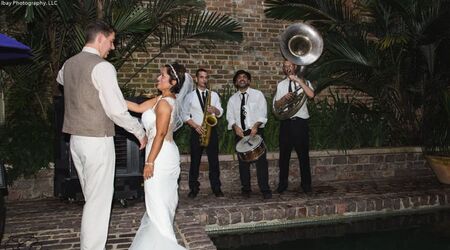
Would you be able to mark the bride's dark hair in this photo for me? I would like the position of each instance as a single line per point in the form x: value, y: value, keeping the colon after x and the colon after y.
x: 176, y: 72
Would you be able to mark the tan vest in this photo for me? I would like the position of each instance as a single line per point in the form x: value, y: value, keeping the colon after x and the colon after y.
x: 83, y: 113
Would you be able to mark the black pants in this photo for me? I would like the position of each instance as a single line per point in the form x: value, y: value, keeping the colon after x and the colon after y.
x: 262, y: 171
x: 212, y: 151
x: 294, y: 134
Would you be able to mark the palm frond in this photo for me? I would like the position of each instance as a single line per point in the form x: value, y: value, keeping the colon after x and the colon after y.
x: 67, y: 10
x: 294, y: 10
x: 131, y: 20
x: 324, y: 14
x: 206, y: 25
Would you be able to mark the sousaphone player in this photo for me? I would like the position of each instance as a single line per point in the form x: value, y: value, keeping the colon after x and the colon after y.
x: 301, y: 45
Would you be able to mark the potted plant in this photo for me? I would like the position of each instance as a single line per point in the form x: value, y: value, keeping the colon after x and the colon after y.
x: 436, y: 140
x: 436, y: 110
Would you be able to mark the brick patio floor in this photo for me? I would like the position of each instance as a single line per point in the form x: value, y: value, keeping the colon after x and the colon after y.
x: 54, y: 224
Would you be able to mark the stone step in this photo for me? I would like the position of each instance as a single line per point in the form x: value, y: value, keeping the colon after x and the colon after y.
x: 55, y: 224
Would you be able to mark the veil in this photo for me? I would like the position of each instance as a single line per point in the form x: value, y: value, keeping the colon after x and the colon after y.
x: 180, y: 109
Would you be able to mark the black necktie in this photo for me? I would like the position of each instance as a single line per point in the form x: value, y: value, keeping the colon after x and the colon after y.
x: 290, y: 86
x: 243, y: 112
x: 204, y: 98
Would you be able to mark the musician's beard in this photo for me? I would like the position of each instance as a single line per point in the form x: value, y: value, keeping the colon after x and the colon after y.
x: 243, y: 85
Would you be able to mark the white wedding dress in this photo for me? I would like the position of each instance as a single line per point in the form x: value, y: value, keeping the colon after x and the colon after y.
x: 161, y: 191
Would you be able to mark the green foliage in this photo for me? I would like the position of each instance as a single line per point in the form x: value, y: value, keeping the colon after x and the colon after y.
x: 345, y: 124
x: 226, y: 137
x: 27, y: 145
x: 272, y: 128
x: 27, y: 136
x: 55, y: 33
x: 436, y: 125
x: 392, y: 50
x: 339, y: 123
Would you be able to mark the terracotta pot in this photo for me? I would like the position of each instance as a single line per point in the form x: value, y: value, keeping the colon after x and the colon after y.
x: 440, y: 166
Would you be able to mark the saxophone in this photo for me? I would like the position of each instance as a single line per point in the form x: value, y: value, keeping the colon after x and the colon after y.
x: 209, y: 121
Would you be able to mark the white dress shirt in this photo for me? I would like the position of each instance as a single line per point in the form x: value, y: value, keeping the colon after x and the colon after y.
x: 104, y: 78
x: 194, y: 109
x: 255, y: 105
x: 283, y: 89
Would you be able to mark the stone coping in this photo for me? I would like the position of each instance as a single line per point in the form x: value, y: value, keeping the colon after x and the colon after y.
x: 274, y: 225
x: 329, y: 202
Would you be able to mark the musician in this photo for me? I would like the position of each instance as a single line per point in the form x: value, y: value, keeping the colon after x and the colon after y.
x: 294, y: 132
x: 247, y: 115
x: 196, y: 101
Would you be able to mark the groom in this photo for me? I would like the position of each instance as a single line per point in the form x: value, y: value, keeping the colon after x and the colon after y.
x: 93, y: 102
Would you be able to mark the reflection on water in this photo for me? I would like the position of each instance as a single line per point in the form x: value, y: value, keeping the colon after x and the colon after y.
x: 430, y: 231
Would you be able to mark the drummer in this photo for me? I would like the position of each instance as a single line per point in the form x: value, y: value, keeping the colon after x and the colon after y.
x: 247, y: 115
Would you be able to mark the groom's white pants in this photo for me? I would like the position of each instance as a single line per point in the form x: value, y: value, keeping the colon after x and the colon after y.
x: 94, y: 159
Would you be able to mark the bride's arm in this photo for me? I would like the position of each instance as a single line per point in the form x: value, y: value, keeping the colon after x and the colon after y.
x: 163, y: 112
x: 140, y: 108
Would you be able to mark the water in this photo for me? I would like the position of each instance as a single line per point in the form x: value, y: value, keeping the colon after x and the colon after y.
x: 430, y: 231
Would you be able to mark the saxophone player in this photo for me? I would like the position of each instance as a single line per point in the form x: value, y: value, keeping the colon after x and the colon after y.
x: 294, y: 131
x: 200, y: 103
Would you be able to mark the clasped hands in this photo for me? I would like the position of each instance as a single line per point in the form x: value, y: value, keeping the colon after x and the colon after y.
x: 143, y: 142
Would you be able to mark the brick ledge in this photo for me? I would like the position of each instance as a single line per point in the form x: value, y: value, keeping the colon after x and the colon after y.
x: 320, y: 153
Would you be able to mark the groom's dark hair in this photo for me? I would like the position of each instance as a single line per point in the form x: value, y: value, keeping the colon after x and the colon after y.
x: 96, y: 27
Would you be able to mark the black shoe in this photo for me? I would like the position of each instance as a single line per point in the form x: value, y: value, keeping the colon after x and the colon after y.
x: 192, y: 194
x: 218, y: 193
x: 281, y: 190
x: 267, y: 196
x: 307, y: 189
x: 245, y: 194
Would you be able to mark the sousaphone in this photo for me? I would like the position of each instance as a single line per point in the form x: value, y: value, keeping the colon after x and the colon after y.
x: 302, y: 45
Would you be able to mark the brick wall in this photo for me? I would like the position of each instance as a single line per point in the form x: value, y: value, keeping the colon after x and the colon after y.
x: 259, y: 52
x: 326, y: 166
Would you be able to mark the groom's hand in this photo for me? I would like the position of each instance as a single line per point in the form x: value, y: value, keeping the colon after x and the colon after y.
x: 143, y: 142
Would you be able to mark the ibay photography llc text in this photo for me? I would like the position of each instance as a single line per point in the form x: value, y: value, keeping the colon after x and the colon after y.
x: 29, y: 3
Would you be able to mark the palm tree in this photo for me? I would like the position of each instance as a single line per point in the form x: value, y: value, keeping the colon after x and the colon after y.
x: 55, y: 33
x: 389, y: 49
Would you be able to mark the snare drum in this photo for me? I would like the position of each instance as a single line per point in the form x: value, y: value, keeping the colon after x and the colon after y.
x: 250, y: 148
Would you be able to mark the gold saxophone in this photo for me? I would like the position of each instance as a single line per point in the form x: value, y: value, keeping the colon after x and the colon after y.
x: 209, y: 121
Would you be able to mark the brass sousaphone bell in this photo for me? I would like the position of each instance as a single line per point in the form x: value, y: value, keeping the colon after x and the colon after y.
x: 302, y: 45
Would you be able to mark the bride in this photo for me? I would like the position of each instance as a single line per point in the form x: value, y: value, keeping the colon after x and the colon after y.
x: 161, y: 116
